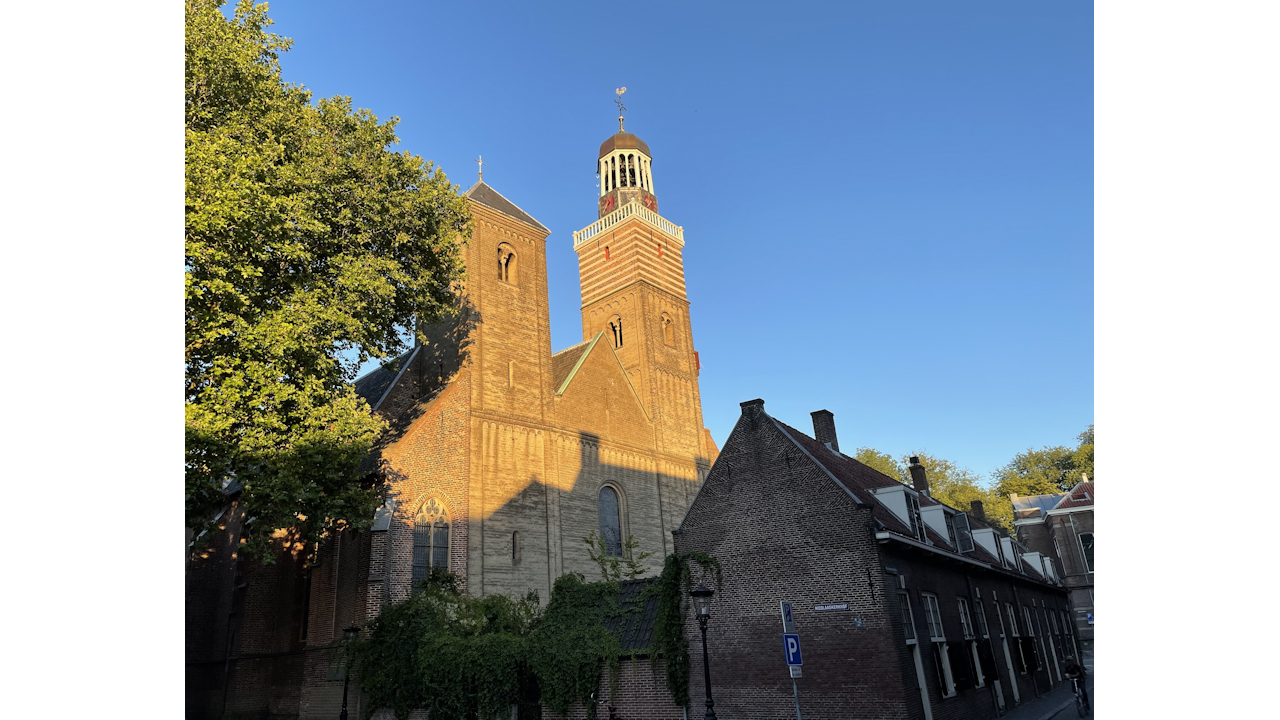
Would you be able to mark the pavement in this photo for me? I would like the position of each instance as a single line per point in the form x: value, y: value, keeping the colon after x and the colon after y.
x: 1060, y: 704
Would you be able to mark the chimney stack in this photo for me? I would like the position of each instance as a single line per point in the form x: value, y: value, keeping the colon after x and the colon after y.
x: 918, y: 479
x: 975, y: 509
x: 752, y: 410
x: 824, y: 428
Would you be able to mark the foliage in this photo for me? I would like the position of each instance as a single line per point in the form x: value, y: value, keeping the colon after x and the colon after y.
x: 948, y: 483
x: 881, y: 461
x: 1049, y: 469
x: 457, y: 656
x: 668, y: 629
x: 570, y: 641
x: 311, y: 247
x: 616, y: 568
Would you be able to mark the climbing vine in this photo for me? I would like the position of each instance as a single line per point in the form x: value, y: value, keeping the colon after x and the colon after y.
x: 462, y: 657
x: 668, y: 629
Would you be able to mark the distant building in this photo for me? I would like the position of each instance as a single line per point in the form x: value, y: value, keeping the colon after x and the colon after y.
x: 1061, y: 527
x: 905, y: 607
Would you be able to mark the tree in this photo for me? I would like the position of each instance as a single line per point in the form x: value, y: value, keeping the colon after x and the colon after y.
x: 614, y: 568
x: 1048, y: 470
x: 311, y: 247
x: 948, y: 482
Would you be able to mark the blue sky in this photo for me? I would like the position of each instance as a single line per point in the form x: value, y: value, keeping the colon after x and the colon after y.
x: 888, y: 207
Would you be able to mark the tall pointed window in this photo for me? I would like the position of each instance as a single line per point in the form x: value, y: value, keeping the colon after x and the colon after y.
x: 507, y: 269
x: 611, y: 520
x: 668, y: 330
x: 430, y: 539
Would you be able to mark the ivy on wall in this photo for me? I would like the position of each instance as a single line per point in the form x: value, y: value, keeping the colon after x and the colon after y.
x: 463, y: 657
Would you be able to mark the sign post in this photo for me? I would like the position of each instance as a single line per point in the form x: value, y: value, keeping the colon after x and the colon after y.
x: 791, y: 652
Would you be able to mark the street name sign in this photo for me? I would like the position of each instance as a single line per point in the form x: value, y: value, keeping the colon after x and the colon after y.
x: 831, y: 607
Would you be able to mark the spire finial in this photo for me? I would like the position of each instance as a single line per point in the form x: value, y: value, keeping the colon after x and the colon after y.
x: 480, y: 165
x: 621, y: 108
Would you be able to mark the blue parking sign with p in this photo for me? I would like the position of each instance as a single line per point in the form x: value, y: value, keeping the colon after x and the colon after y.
x: 791, y: 646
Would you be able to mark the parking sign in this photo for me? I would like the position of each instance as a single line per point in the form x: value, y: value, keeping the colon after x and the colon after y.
x: 791, y: 648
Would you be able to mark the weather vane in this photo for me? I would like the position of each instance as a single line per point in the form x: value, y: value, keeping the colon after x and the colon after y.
x: 621, y: 108
x: 480, y: 165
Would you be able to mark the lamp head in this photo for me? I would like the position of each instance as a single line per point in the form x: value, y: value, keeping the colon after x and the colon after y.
x: 702, y: 596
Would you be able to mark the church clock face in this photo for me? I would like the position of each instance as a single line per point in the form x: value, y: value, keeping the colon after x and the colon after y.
x: 649, y: 201
x: 608, y: 203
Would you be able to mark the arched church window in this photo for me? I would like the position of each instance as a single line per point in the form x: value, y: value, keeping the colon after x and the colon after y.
x: 430, y: 539
x: 615, y: 328
x: 611, y: 521
x: 668, y: 330
x: 507, y: 267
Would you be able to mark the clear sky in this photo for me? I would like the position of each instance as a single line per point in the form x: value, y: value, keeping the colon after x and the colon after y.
x: 888, y: 206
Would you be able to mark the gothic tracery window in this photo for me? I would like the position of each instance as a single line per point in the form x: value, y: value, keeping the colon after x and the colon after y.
x: 430, y: 539
x: 611, y: 520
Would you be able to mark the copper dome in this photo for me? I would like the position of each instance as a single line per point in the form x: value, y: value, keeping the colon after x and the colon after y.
x: 624, y: 141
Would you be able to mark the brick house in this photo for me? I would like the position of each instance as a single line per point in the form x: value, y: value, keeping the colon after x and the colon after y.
x: 905, y: 607
x: 1060, y: 526
x: 502, y: 454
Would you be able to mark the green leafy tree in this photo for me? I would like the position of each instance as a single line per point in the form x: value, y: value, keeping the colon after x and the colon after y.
x: 948, y: 482
x: 1047, y: 470
x: 614, y: 568
x: 311, y: 247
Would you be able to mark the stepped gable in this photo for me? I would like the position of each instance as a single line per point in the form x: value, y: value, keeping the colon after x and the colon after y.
x: 492, y: 199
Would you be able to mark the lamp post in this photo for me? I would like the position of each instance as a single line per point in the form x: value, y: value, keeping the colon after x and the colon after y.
x: 348, y: 634
x: 702, y: 596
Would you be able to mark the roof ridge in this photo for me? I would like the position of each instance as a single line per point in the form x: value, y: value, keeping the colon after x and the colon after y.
x: 527, y: 219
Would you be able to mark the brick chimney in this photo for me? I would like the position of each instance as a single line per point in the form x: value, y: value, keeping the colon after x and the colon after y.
x: 975, y: 509
x: 824, y: 428
x: 752, y: 410
x: 918, y: 479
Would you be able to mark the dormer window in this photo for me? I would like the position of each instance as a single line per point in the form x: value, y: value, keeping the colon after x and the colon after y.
x: 917, y: 523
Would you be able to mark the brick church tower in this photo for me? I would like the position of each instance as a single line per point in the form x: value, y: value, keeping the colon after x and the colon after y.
x: 631, y: 267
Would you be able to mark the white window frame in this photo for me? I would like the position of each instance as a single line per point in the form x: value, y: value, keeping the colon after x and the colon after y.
x: 947, y: 676
x: 980, y: 614
x: 1084, y: 558
x: 1013, y: 619
x: 966, y: 625
x: 933, y: 617
x: 908, y: 620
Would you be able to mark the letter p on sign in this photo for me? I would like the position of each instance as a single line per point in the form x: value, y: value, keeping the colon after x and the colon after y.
x: 791, y: 646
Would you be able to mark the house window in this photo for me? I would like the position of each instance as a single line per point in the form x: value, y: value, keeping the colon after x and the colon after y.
x: 507, y: 270
x: 1053, y: 618
x: 933, y: 618
x: 611, y: 521
x: 913, y: 511
x: 908, y: 625
x: 951, y: 529
x: 980, y: 615
x: 1013, y: 620
x: 430, y: 539
x: 966, y: 625
x: 1086, y: 549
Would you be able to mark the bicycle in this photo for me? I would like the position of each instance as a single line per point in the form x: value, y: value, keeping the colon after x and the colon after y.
x: 1082, y: 705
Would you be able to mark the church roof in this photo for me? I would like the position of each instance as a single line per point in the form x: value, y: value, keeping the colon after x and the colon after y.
x: 373, y: 386
x: 492, y: 199
x: 566, y: 362
x: 624, y: 141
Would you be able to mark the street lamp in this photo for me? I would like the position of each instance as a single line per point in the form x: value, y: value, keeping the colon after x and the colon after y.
x: 702, y: 597
x: 348, y: 634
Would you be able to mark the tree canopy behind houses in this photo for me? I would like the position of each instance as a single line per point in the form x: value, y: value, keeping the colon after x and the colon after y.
x: 311, y: 248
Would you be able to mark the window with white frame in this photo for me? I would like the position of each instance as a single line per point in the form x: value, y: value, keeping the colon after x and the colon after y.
x: 951, y: 528
x: 1086, y: 549
x: 966, y: 625
x: 1013, y: 620
x: 908, y: 625
x: 1053, y: 618
x: 980, y: 615
x: 933, y: 618
x: 917, y: 523
x: 1026, y: 615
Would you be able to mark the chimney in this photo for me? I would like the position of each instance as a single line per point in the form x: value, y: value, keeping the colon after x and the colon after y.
x: 918, y: 479
x: 752, y: 410
x: 975, y: 509
x: 824, y: 428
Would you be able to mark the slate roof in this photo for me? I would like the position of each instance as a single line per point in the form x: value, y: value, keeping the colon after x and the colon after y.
x: 636, y: 631
x: 492, y: 199
x: 564, y: 362
x: 861, y: 480
x: 373, y: 385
